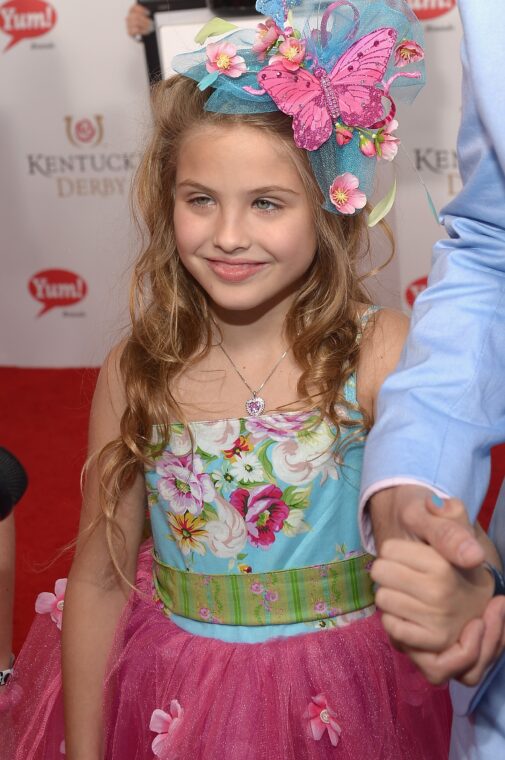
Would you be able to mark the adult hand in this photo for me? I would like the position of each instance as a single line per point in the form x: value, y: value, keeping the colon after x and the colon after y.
x: 138, y: 21
x: 481, y: 643
x: 407, y: 511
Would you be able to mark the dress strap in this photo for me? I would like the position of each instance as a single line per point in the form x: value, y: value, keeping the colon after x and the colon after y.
x: 365, y: 318
x: 278, y: 597
x: 350, y: 386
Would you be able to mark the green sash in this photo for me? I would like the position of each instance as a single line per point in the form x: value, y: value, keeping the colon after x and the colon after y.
x: 282, y: 596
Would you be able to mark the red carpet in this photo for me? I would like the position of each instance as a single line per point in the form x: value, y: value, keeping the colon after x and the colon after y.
x: 43, y: 421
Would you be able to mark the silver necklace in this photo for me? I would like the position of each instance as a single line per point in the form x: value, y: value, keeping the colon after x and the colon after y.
x: 256, y: 404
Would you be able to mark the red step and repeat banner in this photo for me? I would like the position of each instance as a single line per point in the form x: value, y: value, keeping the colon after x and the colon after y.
x: 74, y: 111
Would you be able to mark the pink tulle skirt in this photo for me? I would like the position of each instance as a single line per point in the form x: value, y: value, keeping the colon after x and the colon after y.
x: 340, y: 693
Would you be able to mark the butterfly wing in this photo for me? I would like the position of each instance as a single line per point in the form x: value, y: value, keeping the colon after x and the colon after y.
x: 356, y: 75
x: 298, y: 94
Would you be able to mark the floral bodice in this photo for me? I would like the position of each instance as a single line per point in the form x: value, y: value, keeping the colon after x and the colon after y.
x: 258, y: 494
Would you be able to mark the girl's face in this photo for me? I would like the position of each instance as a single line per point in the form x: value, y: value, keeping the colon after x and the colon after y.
x: 243, y: 222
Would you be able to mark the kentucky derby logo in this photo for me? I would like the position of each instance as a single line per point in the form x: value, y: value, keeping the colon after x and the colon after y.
x: 428, y: 9
x: 414, y: 289
x: 56, y: 287
x: 21, y: 19
x: 86, y: 131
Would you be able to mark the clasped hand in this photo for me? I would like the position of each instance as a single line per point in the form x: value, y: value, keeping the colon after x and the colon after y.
x: 434, y: 592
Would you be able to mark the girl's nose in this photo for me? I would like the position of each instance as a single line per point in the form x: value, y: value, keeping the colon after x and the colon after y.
x: 231, y: 233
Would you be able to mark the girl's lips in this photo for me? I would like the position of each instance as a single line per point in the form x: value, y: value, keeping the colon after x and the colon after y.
x: 236, y: 271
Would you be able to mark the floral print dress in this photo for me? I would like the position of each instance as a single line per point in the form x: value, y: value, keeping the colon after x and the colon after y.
x: 257, y: 494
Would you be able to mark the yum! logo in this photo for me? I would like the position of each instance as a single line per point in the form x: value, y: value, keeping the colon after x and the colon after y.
x: 413, y: 290
x: 56, y: 287
x: 21, y: 19
x: 429, y: 9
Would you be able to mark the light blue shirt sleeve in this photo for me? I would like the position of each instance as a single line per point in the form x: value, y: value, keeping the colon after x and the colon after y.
x: 446, y: 400
x: 447, y: 397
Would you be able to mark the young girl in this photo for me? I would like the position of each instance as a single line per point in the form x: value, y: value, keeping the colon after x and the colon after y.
x: 236, y: 409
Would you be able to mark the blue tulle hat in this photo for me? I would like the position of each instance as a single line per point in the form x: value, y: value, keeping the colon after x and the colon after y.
x: 336, y: 68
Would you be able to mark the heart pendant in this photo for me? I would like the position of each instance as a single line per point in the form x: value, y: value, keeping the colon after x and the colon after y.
x: 255, y: 406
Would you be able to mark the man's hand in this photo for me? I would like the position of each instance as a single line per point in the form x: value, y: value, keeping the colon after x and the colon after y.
x: 409, y: 512
x: 402, y: 512
x: 479, y: 647
x: 138, y: 21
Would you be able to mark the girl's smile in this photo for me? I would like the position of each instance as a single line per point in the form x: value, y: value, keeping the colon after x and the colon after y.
x: 236, y: 271
x: 243, y: 221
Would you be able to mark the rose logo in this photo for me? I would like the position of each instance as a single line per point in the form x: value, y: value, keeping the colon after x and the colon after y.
x: 85, y: 131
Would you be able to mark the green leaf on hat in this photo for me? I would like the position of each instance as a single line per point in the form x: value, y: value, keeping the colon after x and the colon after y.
x: 214, y: 28
x: 383, y: 207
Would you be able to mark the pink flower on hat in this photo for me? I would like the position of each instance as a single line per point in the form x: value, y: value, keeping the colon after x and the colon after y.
x: 222, y: 58
x: 165, y: 725
x: 344, y: 194
x: 407, y: 52
x: 322, y: 718
x: 291, y: 54
x: 266, y: 36
x: 388, y: 143
x: 52, y: 604
x: 343, y: 134
x: 367, y: 146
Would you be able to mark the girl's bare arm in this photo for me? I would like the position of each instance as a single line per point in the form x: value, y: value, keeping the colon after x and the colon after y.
x: 96, y: 594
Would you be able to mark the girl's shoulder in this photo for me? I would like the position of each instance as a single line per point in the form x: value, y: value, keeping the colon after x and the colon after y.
x: 384, y: 333
x: 109, y: 398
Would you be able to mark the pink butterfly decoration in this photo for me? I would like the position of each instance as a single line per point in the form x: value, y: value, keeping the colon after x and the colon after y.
x: 349, y: 92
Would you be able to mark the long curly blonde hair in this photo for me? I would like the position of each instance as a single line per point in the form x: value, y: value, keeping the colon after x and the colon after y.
x: 170, y: 314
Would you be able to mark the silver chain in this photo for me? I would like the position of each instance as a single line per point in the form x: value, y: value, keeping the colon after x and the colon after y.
x: 265, y: 381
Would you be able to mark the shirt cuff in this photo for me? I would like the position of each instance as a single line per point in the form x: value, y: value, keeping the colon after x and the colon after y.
x: 364, y: 521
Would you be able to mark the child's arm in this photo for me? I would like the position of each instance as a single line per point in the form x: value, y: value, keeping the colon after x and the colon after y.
x: 7, y: 554
x: 426, y: 601
x: 96, y: 595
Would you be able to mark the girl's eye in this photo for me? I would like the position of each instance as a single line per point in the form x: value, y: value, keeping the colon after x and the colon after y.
x: 263, y: 204
x: 200, y: 200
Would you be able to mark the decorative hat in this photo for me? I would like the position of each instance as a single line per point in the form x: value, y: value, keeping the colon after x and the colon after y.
x: 333, y: 67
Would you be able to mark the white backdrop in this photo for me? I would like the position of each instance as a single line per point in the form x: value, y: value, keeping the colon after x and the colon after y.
x: 73, y: 107
x: 73, y: 114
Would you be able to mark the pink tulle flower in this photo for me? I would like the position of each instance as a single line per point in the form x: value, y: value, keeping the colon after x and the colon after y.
x: 407, y: 52
x: 322, y: 718
x: 222, y: 57
x: 367, y: 146
x: 165, y: 725
x: 291, y: 54
x: 388, y: 143
x: 52, y: 604
x: 267, y: 35
x: 344, y: 194
x: 344, y: 134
